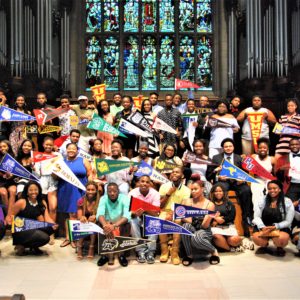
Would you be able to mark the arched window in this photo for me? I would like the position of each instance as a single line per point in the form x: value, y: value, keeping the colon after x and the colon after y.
x: 143, y: 45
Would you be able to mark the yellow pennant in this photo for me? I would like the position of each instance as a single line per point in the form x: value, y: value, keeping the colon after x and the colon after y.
x: 48, y: 128
x: 74, y: 120
x: 255, y: 122
x: 138, y: 101
x: 99, y: 92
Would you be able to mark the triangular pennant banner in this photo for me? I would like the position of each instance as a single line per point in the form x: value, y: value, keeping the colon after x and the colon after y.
x: 255, y: 122
x: 47, y: 114
x: 40, y: 156
x: 78, y: 230
x: 280, y: 129
x: 185, y: 84
x: 8, y: 114
x: 214, y: 122
x: 10, y: 165
x: 48, y: 128
x: 184, y: 211
x: 156, y: 226
x: 233, y: 172
x: 99, y: 92
x: 22, y: 224
x: 190, y: 157
x: 59, y: 141
x: 129, y: 127
x: 84, y: 154
x: 136, y: 203
x: 139, y: 120
x: 108, y: 166
x: 161, y: 125
x: 145, y: 169
x: 162, y: 165
x: 251, y: 165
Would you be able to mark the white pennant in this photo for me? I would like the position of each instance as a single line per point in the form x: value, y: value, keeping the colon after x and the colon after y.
x: 132, y: 128
x: 161, y: 125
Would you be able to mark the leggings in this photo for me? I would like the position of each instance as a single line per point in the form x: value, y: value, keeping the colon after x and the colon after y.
x: 202, y: 240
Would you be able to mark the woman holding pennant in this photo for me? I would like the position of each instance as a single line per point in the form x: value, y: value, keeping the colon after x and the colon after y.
x: 199, y: 226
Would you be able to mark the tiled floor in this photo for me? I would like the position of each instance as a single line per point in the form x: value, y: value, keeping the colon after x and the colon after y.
x: 59, y: 275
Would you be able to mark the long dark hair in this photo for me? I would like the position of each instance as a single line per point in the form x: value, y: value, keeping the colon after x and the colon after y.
x: 39, y: 196
x: 20, y: 154
x: 143, y: 106
x: 280, y: 200
x: 25, y: 107
x: 225, y: 198
x: 163, y: 155
x: 100, y: 110
x: 10, y: 151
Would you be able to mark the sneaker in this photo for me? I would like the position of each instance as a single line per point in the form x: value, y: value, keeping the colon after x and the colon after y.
x: 123, y: 261
x: 150, y: 259
x: 240, y: 249
x: 141, y: 258
x: 102, y: 261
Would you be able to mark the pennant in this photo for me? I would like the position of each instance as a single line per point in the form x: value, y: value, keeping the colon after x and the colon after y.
x: 83, y: 121
x: 84, y: 154
x: 190, y: 157
x: 119, y: 244
x: 185, y: 84
x: 214, y: 123
x: 11, y: 115
x: 108, y: 166
x: 97, y: 123
x: 47, y: 114
x: 31, y: 129
x: 59, y: 141
x: 138, y: 101
x: 40, y: 156
x: 145, y: 169
x: 139, y: 120
x: 48, y: 128
x: 162, y: 166
x: 99, y: 92
x: 74, y: 120
x: 60, y: 168
x: 251, y: 165
x: 203, y: 110
x: 233, y: 172
x: 183, y: 211
x: 190, y: 129
x: 281, y: 129
x: 78, y: 230
x: 255, y: 122
x: 156, y: 226
x: 10, y: 165
x: 23, y: 224
x: 161, y: 125
x: 136, y: 204
x: 125, y: 126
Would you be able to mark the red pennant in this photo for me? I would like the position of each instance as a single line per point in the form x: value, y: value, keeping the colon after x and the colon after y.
x: 40, y: 156
x: 44, y: 115
x: 136, y: 204
x: 251, y: 165
x: 185, y: 84
x: 59, y: 141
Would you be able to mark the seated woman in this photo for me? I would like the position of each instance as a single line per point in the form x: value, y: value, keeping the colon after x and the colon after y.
x: 200, y: 227
x: 272, y: 219
x: 86, y: 212
x: 31, y: 206
x: 225, y: 221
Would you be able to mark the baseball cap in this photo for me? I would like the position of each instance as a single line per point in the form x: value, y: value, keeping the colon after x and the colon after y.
x: 82, y: 97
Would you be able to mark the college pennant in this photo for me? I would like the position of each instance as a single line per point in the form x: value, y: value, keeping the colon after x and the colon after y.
x: 136, y: 203
x: 40, y: 156
x: 97, y: 123
x: 190, y: 157
x: 281, y: 129
x: 84, y: 154
x: 11, y: 115
x: 125, y: 126
x: 78, y: 230
x: 251, y: 165
x: 203, y: 110
x: 161, y: 125
x: 145, y: 169
x: 10, y: 165
x: 162, y: 165
x: 138, y: 101
x: 59, y: 141
x: 99, y: 92
x: 184, y: 211
x: 44, y: 115
x: 255, y: 122
x: 48, y: 128
x: 214, y: 122
x: 233, y: 172
x: 108, y: 166
x: 119, y: 244
x: 185, y: 84
x: 22, y: 224
x: 156, y: 226
x: 139, y: 120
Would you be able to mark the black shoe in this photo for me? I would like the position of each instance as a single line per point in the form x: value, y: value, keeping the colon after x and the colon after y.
x: 102, y: 261
x: 36, y: 251
x: 123, y: 261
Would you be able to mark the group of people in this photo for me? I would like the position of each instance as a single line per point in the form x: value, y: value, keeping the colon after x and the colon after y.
x: 270, y: 208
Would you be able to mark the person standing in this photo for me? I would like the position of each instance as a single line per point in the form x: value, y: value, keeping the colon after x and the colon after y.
x: 117, y: 106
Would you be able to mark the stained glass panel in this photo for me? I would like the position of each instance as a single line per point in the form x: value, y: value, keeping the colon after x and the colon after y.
x: 186, y: 15
x: 204, y: 60
x: 93, y: 15
x: 166, y: 16
x: 167, y: 63
x: 149, y: 15
x: 131, y: 16
x: 93, y: 61
x: 131, y: 64
x: 204, y: 19
x: 149, y: 74
x: 111, y: 63
x: 111, y: 15
x: 186, y: 56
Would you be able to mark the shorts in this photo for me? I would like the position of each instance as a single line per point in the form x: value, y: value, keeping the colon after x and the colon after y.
x: 48, y: 184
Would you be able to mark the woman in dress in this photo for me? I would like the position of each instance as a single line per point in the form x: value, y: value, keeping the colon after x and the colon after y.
x: 219, y: 197
x: 82, y: 170
x: 200, y: 227
x: 86, y: 212
x: 104, y: 113
x: 18, y: 128
x: 272, y: 219
x: 290, y: 119
x: 31, y: 206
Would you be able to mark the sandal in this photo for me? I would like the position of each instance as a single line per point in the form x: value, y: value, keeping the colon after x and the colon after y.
x: 187, y: 261
x: 91, y: 252
x: 65, y: 243
x: 214, y: 260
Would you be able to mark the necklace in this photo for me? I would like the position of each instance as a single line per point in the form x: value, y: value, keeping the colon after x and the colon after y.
x: 32, y: 204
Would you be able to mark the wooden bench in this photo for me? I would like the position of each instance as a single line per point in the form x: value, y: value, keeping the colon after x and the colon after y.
x: 238, y: 221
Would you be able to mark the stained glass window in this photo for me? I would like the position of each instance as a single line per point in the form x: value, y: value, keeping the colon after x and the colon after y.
x: 143, y: 45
